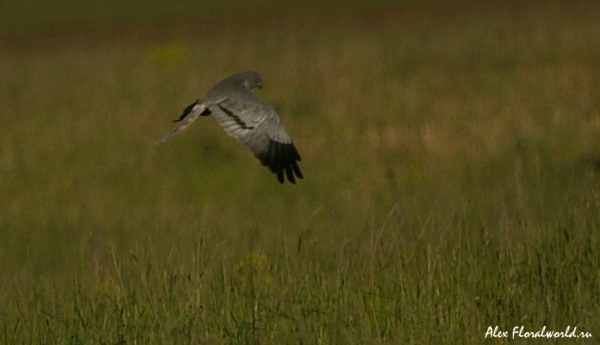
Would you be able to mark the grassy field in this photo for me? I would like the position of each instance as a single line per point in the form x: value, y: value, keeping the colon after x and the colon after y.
x: 451, y: 156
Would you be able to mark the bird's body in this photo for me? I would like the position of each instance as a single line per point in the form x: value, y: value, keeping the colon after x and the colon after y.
x: 247, y: 118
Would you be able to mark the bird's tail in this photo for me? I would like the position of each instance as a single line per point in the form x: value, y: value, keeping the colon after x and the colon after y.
x: 190, y: 114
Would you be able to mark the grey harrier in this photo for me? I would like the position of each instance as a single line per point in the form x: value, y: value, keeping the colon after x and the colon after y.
x: 247, y: 118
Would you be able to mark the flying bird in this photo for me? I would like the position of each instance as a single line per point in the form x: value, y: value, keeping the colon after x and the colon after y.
x: 247, y: 118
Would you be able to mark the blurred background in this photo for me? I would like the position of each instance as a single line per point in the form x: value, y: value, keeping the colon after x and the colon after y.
x: 451, y: 155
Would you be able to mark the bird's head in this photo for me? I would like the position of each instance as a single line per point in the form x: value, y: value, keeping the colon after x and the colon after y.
x: 252, y: 79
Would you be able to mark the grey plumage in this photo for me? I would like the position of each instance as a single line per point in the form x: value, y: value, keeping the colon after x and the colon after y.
x: 247, y: 118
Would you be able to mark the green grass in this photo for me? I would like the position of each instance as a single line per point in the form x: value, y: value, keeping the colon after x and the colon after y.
x: 451, y: 183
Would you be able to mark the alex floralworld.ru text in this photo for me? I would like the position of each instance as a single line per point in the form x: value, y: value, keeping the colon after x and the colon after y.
x: 519, y: 331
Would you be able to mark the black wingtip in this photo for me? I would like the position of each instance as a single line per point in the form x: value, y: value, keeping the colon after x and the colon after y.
x: 281, y: 159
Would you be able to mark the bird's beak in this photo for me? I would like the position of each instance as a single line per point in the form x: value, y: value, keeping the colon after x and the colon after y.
x: 260, y: 85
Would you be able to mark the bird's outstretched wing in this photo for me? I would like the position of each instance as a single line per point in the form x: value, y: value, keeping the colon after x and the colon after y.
x: 190, y: 113
x: 247, y: 118
x: 255, y: 124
